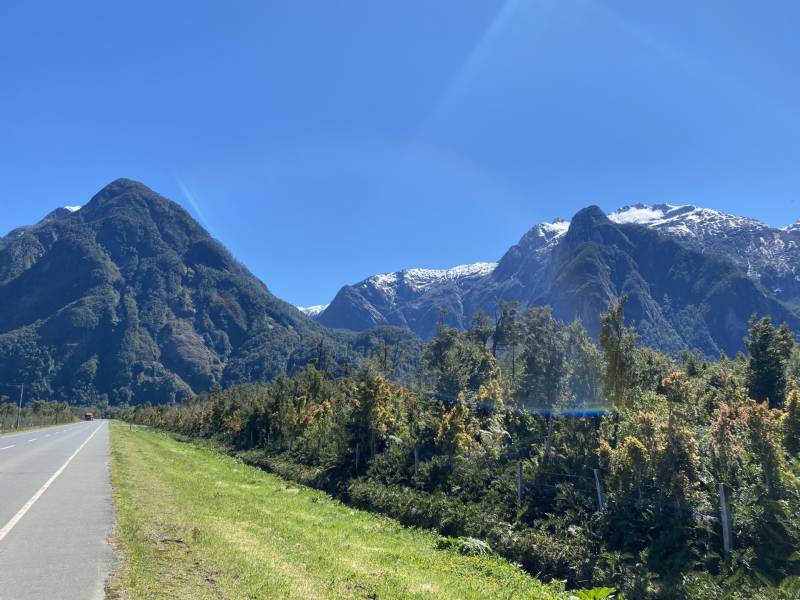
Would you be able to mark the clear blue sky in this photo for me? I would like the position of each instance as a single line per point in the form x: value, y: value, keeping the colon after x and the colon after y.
x: 326, y: 141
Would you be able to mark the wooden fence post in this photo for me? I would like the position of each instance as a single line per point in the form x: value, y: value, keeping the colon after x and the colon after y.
x: 548, y: 444
x: 598, y: 484
x: 725, y: 517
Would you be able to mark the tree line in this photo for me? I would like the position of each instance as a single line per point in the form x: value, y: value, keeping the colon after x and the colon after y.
x: 594, y: 463
x: 34, y: 414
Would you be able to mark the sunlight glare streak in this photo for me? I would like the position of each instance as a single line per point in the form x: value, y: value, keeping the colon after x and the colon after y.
x: 473, y: 62
x: 192, y: 202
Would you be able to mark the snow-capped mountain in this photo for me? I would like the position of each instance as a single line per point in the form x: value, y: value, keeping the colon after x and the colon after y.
x: 553, y: 255
x: 412, y: 298
x: 767, y: 254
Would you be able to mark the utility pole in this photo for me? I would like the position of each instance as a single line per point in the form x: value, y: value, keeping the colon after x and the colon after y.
x: 19, y: 409
x: 21, y: 387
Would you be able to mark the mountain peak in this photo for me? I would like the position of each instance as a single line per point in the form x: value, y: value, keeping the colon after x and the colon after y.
x: 121, y: 186
x: 136, y: 201
x: 592, y: 225
x: 591, y: 213
x: 124, y: 182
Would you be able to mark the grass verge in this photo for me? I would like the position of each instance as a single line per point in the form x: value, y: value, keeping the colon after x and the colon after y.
x: 195, y: 523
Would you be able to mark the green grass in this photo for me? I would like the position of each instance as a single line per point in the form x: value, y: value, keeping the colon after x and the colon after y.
x: 195, y: 523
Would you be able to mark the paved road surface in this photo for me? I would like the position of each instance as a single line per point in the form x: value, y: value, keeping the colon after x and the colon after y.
x: 55, y: 513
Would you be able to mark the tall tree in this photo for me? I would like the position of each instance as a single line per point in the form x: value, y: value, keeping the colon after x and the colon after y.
x: 584, y: 366
x: 544, y: 355
x: 507, y: 334
x: 770, y: 349
x: 618, y: 342
x: 459, y: 362
x: 482, y: 328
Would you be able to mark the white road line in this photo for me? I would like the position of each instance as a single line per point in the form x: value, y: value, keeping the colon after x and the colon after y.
x: 33, y: 440
x: 48, y: 435
x: 16, y: 518
x: 7, y: 447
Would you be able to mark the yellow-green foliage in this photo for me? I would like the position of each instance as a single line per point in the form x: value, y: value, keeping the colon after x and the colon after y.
x: 456, y: 434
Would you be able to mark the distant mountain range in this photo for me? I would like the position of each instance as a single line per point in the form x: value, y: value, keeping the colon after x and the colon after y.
x: 693, y: 275
x: 128, y: 299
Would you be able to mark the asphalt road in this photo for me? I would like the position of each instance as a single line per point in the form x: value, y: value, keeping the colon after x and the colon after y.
x: 56, y: 513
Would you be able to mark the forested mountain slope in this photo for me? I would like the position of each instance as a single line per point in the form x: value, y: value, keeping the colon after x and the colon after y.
x: 129, y: 299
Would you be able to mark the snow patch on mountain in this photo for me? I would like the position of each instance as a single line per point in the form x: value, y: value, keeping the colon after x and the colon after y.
x: 542, y: 238
x: 643, y: 214
x: 793, y: 228
x: 73, y: 209
x: 766, y: 253
x: 553, y: 230
x: 421, y: 280
x: 684, y: 220
x: 312, y: 311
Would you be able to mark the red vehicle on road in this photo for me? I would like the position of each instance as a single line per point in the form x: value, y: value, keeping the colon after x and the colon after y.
x: 88, y: 416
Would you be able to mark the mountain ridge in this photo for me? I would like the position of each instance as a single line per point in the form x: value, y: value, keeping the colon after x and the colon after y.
x: 527, y: 272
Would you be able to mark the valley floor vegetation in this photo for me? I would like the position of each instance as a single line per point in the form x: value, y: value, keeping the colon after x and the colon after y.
x: 38, y: 413
x: 603, y: 464
x: 195, y: 523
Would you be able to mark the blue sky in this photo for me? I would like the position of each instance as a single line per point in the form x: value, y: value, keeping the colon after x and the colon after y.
x: 326, y: 141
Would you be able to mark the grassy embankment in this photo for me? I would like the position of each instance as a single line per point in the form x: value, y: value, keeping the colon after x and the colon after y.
x: 195, y: 523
